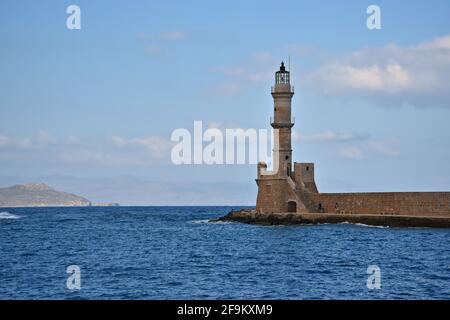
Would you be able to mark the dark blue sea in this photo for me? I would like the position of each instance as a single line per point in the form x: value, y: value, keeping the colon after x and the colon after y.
x: 175, y: 253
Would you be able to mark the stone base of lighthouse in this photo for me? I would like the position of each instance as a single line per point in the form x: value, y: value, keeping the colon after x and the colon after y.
x: 283, y: 193
x: 298, y: 193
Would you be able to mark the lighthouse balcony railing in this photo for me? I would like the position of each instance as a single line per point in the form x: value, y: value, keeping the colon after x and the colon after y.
x: 273, y: 90
x: 280, y: 122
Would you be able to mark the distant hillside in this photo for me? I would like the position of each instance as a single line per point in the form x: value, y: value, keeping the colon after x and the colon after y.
x: 38, y: 195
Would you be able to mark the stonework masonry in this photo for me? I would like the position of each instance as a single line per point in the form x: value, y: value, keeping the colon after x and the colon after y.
x: 386, y: 203
x: 292, y: 188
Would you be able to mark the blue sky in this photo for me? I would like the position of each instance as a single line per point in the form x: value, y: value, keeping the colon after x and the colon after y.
x: 372, y: 107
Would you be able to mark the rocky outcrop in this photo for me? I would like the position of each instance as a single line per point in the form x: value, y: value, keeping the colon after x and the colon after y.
x: 38, y: 195
x: 251, y: 216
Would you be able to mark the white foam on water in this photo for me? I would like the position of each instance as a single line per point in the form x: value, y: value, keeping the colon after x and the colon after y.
x: 365, y: 225
x: 199, y: 221
x: 208, y: 221
x: 7, y: 215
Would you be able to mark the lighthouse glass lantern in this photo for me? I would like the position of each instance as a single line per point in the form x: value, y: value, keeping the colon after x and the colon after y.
x: 282, y: 76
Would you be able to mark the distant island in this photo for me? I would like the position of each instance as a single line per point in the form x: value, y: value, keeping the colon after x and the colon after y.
x: 42, y: 195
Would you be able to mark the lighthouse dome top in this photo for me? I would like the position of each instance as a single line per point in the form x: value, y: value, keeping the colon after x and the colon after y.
x: 282, y: 76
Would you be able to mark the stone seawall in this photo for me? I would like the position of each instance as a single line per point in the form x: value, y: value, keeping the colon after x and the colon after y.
x: 253, y: 217
x: 385, y: 203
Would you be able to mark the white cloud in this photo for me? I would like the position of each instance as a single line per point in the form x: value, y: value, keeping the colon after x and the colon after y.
x: 89, y: 156
x: 72, y: 140
x: 229, y: 89
x: 356, y: 146
x: 260, y: 77
x: 391, y: 75
x: 39, y: 141
x: 391, y: 78
x: 263, y: 57
x: 438, y: 43
x: 153, y: 48
x: 172, y: 35
x: 369, y: 149
x: 44, y: 148
x: 159, y: 147
x: 384, y: 147
x: 256, y: 70
x: 6, y: 141
x: 327, y: 136
x: 157, y: 43
x: 351, y: 152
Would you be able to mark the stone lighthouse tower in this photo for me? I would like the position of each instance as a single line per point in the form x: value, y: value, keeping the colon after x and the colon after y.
x: 276, y: 189
x: 282, y: 122
x: 288, y: 187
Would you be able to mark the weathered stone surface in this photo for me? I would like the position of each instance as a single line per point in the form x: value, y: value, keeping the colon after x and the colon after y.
x: 253, y: 217
x: 386, y: 203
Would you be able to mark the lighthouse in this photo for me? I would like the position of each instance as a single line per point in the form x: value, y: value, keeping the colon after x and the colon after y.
x: 288, y: 187
x: 282, y: 121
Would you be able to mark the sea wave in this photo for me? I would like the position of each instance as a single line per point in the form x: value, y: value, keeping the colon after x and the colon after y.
x: 199, y: 221
x: 202, y: 221
x: 7, y: 215
x: 365, y: 225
